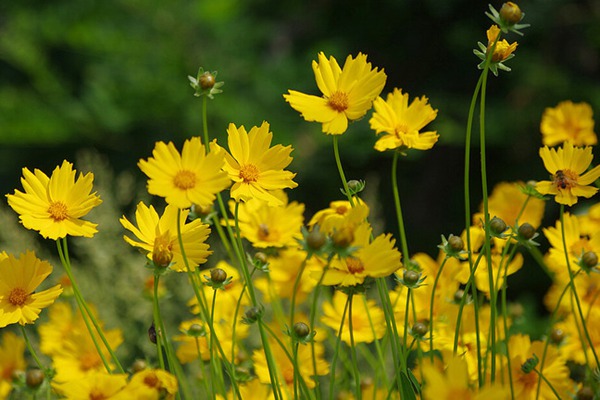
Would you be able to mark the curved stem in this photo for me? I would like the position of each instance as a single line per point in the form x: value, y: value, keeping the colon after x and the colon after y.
x: 338, y: 162
x: 401, y: 229
x: 31, y: 349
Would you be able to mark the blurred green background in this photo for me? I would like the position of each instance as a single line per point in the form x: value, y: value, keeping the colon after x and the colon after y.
x: 112, y: 76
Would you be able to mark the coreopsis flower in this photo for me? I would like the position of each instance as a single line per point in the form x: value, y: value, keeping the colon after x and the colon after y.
x: 368, y: 321
x: 255, y: 167
x: 283, y: 273
x: 19, y: 280
x: 375, y: 259
x: 571, y: 347
x: 401, y: 122
x: 335, y: 214
x: 265, y: 225
x: 554, y: 369
x: 193, y: 346
x: 568, y: 121
x: 453, y: 383
x: 99, y: 385
x: 568, y: 166
x: 66, y: 339
x: 348, y: 93
x: 157, y: 235
x: 191, y: 177
x: 54, y: 206
x: 503, y: 51
x: 508, y: 202
x: 150, y: 384
x: 285, y: 368
x: 12, y: 360
x: 253, y: 389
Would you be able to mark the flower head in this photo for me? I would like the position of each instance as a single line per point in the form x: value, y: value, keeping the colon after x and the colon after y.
x: 503, y: 51
x: 99, y: 385
x: 255, y: 167
x: 157, y: 235
x: 191, y: 177
x: 19, y: 279
x: 402, y: 122
x: 12, y: 357
x: 348, y: 93
x: 568, y: 121
x: 568, y: 167
x: 53, y: 206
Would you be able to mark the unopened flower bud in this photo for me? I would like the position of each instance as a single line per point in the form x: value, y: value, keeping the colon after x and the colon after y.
x: 410, y: 277
x: 458, y: 295
x: 589, y: 259
x: 138, y: 365
x: 315, y: 239
x: 530, y: 364
x: 162, y: 254
x: 301, y: 329
x: 251, y: 315
x: 207, y: 80
x: 196, y: 330
x: 585, y: 393
x: 526, y: 231
x: 497, y: 225
x: 34, y: 378
x: 511, y: 13
x: 419, y: 329
x: 456, y: 243
x: 261, y: 257
x: 218, y: 275
x: 557, y: 336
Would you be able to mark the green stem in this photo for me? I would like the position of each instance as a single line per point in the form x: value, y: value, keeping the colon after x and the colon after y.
x: 435, y: 282
x: 157, y: 317
x: 401, y: 230
x: 31, y: 349
x: 86, y: 313
x: 353, y: 356
x: 337, y: 350
x: 338, y: 162
x: 548, y: 383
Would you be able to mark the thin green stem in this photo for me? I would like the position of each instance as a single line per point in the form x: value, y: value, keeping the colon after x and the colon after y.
x: 156, y: 317
x: 337, y: 350
x: 353, y: 356
x: 205, y: 124
x: 398, y: 207
x: 31, y: 349
x: 338, y: 162
x: 548, y: 383
x: 435, y: 282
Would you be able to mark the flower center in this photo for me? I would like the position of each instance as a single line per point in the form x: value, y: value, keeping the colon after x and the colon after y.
x: 185, y: 179
x: 355, y: 266
x: 151, y: 380
x: 162, y: 253
x: 89, y: 361
x: 249, y: 173
x: 97, y: 395
x: 338, y: 101
x: 263, y: 231
x: 58, y: 211
x: 565, y: 179
x: 341, y: 210
x: 400, y: 129
x: 18, y: 297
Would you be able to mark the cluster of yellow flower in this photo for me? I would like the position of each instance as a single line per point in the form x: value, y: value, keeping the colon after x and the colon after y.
x: 444, y: 328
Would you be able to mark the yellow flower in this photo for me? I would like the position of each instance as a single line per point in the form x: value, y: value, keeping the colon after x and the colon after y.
x: 569, y: 179
x: 158, y: 236
x: 375, y: 259
x: 285, y: 366
x: 554, y: 369
x: 453, y: 384
x: 568, y: 121
x: 12, y: 358
x: 191, y: 177
x: 265, y: 225
x: 402, y: 122
x: 53, y: 206
x: 368, y: 321
x: 506, y: 202
x: 503, y: 49
x: 255, y: 167
x: 571, y: 347
x: 19, y: 279
x: 93, y: 386
x: 348, y: 93
x: 150, y: 384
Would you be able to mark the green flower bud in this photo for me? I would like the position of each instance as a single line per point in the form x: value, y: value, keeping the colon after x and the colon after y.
x: 557, y: 336
x: 530, y: 364
x: 315, y: 239
x: 196, y: 330
x: 301, y: 329
x: 589, y: 259
x: 411, y: 277
x: 251, y: 315
x: 526, y: 231
x: 152, y: 333
x: 510, y: 13
x: 497, y: 226
x: 34, y: 378
x: 456, y: 243
x: 207, y: 80
x: 138, y: 365
x: 261, y: 257
x: 419, y: 329
x: 218, y: 275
